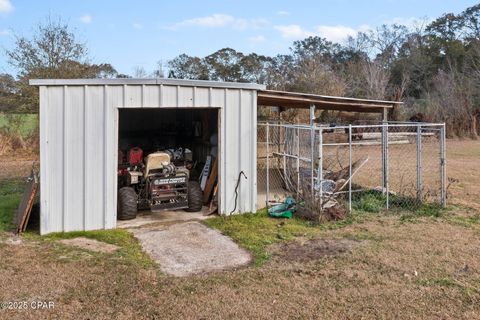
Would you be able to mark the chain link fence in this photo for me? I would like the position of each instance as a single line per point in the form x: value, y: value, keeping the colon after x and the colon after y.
x: 362, y: 167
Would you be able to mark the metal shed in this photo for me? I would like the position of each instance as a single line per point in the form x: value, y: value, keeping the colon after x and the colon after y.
x: 79, y: 141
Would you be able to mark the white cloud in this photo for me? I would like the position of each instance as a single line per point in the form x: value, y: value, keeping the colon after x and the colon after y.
x: 337, y: 33
x: 213, y: 21
x: 256, y: 39
x: 242, y: 24
x: 137, y: 26
x: 364, y: 28
x: 4, y: 32
x: 86, y: 18
x: 294, y: 31
x: 283, y: 13
x: 6, y: 6
x: 219, y: 21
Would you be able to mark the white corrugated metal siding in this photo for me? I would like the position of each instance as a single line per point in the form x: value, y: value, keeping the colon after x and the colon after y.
x: 78, y: 143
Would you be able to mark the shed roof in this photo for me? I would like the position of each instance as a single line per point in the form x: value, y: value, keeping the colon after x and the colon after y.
x: 264, y: 97
x: 305, y: 100
x: 144, y: 81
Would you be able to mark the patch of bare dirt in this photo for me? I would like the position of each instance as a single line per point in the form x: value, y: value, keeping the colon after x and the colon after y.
x: 308, y: 250
x: 90, y: 244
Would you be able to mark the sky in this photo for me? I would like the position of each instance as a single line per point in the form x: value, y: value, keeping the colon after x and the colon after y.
x: 130, y: 34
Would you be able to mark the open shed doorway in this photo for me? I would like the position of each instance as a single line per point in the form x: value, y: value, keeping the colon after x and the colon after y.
x: 167, y: 159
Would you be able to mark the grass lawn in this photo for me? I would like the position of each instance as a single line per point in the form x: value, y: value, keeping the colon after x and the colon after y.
x: 413, y: 264
x: 130, y: 251
x: 10, y: 196
x: 256, y: 231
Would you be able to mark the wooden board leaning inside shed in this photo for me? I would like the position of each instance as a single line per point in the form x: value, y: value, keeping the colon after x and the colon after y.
x: 23, y: 212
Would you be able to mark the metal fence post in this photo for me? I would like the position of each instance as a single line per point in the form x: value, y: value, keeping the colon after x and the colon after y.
x: 350, y: 168
x: 385, y: 162
x: 443, y: 169
x: 387, y: 180
x: 320, y: 164
x: 383, y: 158
x: 283, y: 151
x: 268, y: 167
x: 312, y: 147
x: 298, y: 161
x: 419, y: 163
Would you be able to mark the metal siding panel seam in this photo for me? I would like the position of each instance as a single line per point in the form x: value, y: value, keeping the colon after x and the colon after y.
x: 44, y: 187
x: 114, y: 100
x: 114, y: 168
x: 104, y: 180
x: 240, y: 167
x: 194, y: 97
x: 108, y: 131
x: 223, y: 190
x: 232, y: 140
x: 98, y: 137
x: 169, y: 96
x: 94, y: 198
x: 219, y: 161
x: 177, y: 96
x: 74, y: 145
x: 85, y: 103
x: 63, y: 158
x: 124, y: 96
x: 202, y: 97
x: 161, y: 96
x: 253, y: 160
x: 245, y: 133
x: 151, y: 99
x: 55, y: 167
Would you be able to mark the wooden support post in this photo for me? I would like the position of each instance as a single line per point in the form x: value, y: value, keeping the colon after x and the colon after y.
x: 385, y: 115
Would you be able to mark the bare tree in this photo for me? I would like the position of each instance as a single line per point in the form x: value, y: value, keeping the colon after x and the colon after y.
x: 52, y: 52
x: 139, y: 72
x: 376, y: 77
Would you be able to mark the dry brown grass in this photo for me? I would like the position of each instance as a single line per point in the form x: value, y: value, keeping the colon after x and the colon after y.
x: 427, y: 268
x: 463, y: 164
x: 412, y: 270
x: 12, y: 166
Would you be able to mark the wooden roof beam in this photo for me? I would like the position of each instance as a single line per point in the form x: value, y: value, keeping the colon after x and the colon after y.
x: 296, y: 102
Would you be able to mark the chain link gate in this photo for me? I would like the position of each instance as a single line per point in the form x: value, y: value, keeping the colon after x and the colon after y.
x: 388, y: 165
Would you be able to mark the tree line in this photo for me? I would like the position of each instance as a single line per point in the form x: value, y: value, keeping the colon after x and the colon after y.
x: 433, y: 67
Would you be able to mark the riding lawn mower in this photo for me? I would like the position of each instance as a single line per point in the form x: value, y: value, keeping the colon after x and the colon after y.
x: 160, y: 181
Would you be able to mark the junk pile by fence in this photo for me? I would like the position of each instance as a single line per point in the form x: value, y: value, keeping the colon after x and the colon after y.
x: 330, y: 170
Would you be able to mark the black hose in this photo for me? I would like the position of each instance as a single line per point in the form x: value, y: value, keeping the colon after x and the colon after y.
x: 236, y: 189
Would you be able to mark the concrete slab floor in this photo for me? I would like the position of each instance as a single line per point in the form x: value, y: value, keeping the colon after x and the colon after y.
x: 147, y: 217
x: 189, y: 248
